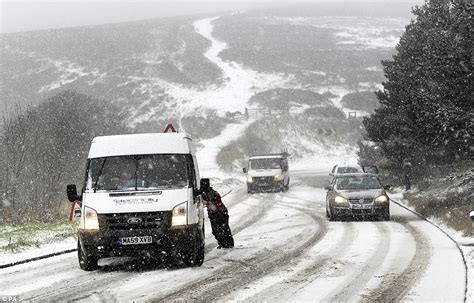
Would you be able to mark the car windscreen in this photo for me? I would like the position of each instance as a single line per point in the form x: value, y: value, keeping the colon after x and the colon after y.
x: 140, y: 172
x: 357, y: 182
x: 348, y: 170
x: 266, y: 163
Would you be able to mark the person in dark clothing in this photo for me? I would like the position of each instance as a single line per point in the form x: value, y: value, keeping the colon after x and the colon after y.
x: 218, y: 215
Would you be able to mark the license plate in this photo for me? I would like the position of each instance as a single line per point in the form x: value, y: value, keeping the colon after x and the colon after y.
x: 361, y: 206
x: 135, y: 240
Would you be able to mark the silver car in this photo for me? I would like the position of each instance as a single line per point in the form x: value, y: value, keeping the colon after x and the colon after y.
x: 357, y: 195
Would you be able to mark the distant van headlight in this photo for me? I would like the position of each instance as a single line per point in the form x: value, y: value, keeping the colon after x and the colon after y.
x: 279, y: 177
x: 381, y: 199
x: 89, y: 220
x: 249, y: 179
x: 340, y: 199
x: 179, y: 216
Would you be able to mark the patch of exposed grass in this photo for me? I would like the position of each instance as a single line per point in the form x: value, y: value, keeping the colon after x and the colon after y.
x: 20, y: 237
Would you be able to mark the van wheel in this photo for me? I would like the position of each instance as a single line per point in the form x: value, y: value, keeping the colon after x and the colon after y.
x: 200, y: 255
x: 86, y: 262
x: 196, y: 256
x: 287, y: 186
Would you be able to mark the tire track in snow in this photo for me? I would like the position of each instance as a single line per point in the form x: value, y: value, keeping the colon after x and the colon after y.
x: 286, y: 288
x: 395, y: 288
x: 352, y: 286
x: 251, y: 269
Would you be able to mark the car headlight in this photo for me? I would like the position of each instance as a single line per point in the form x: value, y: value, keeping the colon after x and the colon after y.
x: 340, y: 199
x: 179, y: 216
x: 278, y: 177
x: 249, y: 179
x: 382, y: 199
x: 89, y: 220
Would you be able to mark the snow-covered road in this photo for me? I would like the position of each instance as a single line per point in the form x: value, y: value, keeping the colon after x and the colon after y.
x: 285, y: 250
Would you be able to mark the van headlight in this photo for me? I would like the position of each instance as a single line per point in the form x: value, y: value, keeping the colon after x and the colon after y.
x: 340, y: 199
x: 382, y: 199
x: 179, y: 215
x: 249, y: 179
x: 278, y: 177
x: 89, y: 220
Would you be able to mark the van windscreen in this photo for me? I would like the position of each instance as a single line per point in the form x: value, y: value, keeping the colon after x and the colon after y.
x: 265, y: 163
x: 141, y: 172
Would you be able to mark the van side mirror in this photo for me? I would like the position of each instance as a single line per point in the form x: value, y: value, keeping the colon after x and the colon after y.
x: 387, y: 187
x: 328, y: 188
x: 71, y: 191
x: 244, y: 170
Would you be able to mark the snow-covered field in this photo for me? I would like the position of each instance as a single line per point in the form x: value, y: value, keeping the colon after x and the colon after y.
x: 368, y: 32
x: 239, y: 83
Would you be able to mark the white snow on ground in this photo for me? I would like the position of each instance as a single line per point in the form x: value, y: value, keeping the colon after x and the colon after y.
x: 69, y: 72
x: 239, y: 85
x: 207, y: 155
x: 341, y: 91
x: 364, y: 32
x: 324, y: 159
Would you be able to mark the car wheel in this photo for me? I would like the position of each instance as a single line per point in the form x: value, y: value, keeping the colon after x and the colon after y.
x: 331, y: 215
x: 86, y: 262
x: 386, y: 214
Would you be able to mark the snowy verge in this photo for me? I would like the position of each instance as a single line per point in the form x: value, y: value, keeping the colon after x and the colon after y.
x: 465, y: 243
x: 38, y: 252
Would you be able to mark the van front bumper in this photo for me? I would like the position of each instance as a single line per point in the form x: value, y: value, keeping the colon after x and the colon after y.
x: 107, y: 243
x: 265, y: 183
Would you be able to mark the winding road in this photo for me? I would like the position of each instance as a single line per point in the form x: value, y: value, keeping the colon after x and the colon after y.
x: 286, y: 250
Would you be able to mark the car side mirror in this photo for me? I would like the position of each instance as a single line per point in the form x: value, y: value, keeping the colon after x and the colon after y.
x: 328, y: 188
x: 331, y: 174
x: 244, y: 170
x: 71, y: 191
x: 387, y: 187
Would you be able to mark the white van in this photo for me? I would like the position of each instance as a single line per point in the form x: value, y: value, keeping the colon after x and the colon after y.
x: 140, y: 196
x: 268, y: 172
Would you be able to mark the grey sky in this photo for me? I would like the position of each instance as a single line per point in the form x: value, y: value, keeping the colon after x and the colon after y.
x: 33, y: 15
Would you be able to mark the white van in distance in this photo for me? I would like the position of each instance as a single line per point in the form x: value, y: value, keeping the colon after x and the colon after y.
x: 140, y: 196
x: 268, y: 172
